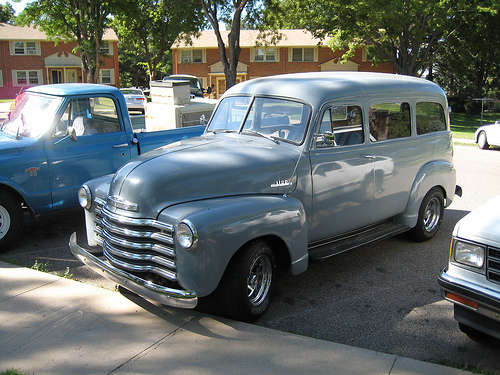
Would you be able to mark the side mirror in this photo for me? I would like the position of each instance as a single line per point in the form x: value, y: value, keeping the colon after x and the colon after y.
x: 72, y: 134
x: 203, y: 120
x: 209, y: 90
x: 328, y: 138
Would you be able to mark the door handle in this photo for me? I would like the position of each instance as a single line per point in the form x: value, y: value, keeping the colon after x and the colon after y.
x: 121, y: 145
x: 371, y: 157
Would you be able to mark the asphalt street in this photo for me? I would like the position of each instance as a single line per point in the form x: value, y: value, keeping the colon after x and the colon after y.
x: 382, y: 297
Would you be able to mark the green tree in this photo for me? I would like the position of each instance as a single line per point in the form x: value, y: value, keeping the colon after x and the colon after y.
x: 152, y: 26
x: 83, y: 21
x: 408, y: 33
x: 231, y: 13
x: 468, y: 66
x: 6, y: 13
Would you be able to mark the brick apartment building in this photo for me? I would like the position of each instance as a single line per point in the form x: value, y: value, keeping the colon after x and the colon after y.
x: 297, y: 51
x: 27, y: 58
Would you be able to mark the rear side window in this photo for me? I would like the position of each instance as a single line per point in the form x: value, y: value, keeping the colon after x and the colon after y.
x: 430, y: 118
x: 389, y: 121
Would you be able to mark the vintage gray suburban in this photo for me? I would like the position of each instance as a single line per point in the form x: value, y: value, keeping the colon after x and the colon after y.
x: 290, y: 168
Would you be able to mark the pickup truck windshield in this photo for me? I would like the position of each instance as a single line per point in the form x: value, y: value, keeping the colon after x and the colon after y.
x: 281, y: 119
x: 32, y: 116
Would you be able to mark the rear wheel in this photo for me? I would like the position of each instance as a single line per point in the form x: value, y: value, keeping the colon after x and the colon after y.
x: 482, y: 141
x: 246, y: 288
x: 11, y: 219
x: 430, y: 215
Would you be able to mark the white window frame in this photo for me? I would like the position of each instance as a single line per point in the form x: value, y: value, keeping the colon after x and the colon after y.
x: 33, y: 49
x: 290, y: 54
x: 186, y: 56
x: 103, y: 76
x: 106, y: 48
x: 266, y: 56
x: 29, y: 74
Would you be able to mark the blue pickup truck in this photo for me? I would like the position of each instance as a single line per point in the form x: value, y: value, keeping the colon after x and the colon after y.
x: 59, y: 136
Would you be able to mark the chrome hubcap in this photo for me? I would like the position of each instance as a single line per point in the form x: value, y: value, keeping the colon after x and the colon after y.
x: 259, y: 280
x: 4, y: 221
x: 432, y: 214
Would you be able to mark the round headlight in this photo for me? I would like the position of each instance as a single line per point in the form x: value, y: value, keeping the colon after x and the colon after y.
x: 85, y: 197
x: 185, y: 234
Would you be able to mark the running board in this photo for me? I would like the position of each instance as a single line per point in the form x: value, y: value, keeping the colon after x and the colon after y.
x: 355, y: 239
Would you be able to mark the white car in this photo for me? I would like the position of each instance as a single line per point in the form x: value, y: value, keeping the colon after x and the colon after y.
x: 472, y: 279
x: 136, y: 101
x: 488, y: 135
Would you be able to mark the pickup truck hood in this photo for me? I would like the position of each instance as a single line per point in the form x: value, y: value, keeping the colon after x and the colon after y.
x: 481, y: 225
x: 205, y: 167
x: 8, y: 147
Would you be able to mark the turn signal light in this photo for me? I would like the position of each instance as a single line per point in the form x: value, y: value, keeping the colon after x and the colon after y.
x: 461, y: 300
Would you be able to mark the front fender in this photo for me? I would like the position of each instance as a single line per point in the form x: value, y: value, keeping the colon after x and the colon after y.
x: 439, y: 173
x: 224, y: 225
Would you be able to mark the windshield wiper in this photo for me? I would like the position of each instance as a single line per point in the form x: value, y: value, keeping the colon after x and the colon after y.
x: 267, y: 136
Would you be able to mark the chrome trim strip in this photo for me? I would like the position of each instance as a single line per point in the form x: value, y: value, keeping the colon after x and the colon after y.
x: 140, y: 257
x: 138, y: 222
x: 140, y: 268
x: 167, y: 296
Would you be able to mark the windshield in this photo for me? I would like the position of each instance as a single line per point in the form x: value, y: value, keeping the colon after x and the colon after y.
x: 281, y: 119
x: 32, y: 116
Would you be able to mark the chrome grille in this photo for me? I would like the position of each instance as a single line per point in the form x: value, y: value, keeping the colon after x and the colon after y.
x: 136, y: 245
x: 493, y: 265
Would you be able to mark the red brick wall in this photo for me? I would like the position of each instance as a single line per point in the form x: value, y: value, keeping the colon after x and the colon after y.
x: 283, y: 66
x: 10, y: 62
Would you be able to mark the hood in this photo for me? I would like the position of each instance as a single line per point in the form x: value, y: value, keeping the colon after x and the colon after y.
x: 205, y: 167
x: 481, y: 225
x: 8, y: 146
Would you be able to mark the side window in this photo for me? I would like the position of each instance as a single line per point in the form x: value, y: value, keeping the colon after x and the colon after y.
x: 430, y: 118
x: 89, y: 116
x: 389, y: 121
x: 345, y: 123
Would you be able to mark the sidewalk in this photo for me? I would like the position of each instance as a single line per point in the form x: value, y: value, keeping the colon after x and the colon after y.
x: 52, y: 325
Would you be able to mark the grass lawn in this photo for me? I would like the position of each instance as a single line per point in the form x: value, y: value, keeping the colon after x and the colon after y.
x: 464, y: 126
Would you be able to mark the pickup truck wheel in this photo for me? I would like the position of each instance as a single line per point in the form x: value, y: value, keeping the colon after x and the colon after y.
x: 430, y: 215
x: 482, y: 141
x: 246, y: 288
x: 11, y: 219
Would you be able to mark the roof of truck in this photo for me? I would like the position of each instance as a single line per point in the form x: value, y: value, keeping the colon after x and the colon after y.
x: 319, y: 87
x: 64, y: 89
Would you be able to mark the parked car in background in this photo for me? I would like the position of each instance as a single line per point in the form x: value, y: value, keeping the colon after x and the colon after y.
x: 194, y: 83
x: 488, y: 135
x: 472, y: 278
x: 136, y: 100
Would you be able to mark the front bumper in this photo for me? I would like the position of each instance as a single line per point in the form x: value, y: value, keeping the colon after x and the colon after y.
x: 488, y: 303
x: 150, y: 291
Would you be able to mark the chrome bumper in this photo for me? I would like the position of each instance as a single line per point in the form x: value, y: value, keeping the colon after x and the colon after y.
x: 157, y: 293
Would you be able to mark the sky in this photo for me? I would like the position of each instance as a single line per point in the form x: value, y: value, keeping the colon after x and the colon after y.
x: 18, y: 7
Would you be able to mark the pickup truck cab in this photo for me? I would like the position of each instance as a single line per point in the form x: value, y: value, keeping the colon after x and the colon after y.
x: 59, y: 136
x: 290, y: 168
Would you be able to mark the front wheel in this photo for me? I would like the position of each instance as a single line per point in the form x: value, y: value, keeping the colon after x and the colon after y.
x: 430, y: 216
x: 11, y: 219
x: 482, y: 141
x: 247, y: 285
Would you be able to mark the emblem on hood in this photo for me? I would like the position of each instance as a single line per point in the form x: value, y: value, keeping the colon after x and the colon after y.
x: 281, y: 183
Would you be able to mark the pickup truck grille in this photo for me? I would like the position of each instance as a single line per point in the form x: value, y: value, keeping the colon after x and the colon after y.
x: 493, y: 265
x: 136, y: 245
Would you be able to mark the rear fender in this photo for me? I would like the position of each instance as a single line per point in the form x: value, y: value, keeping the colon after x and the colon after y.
x: 437, y: 173
x: 224, y: 225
